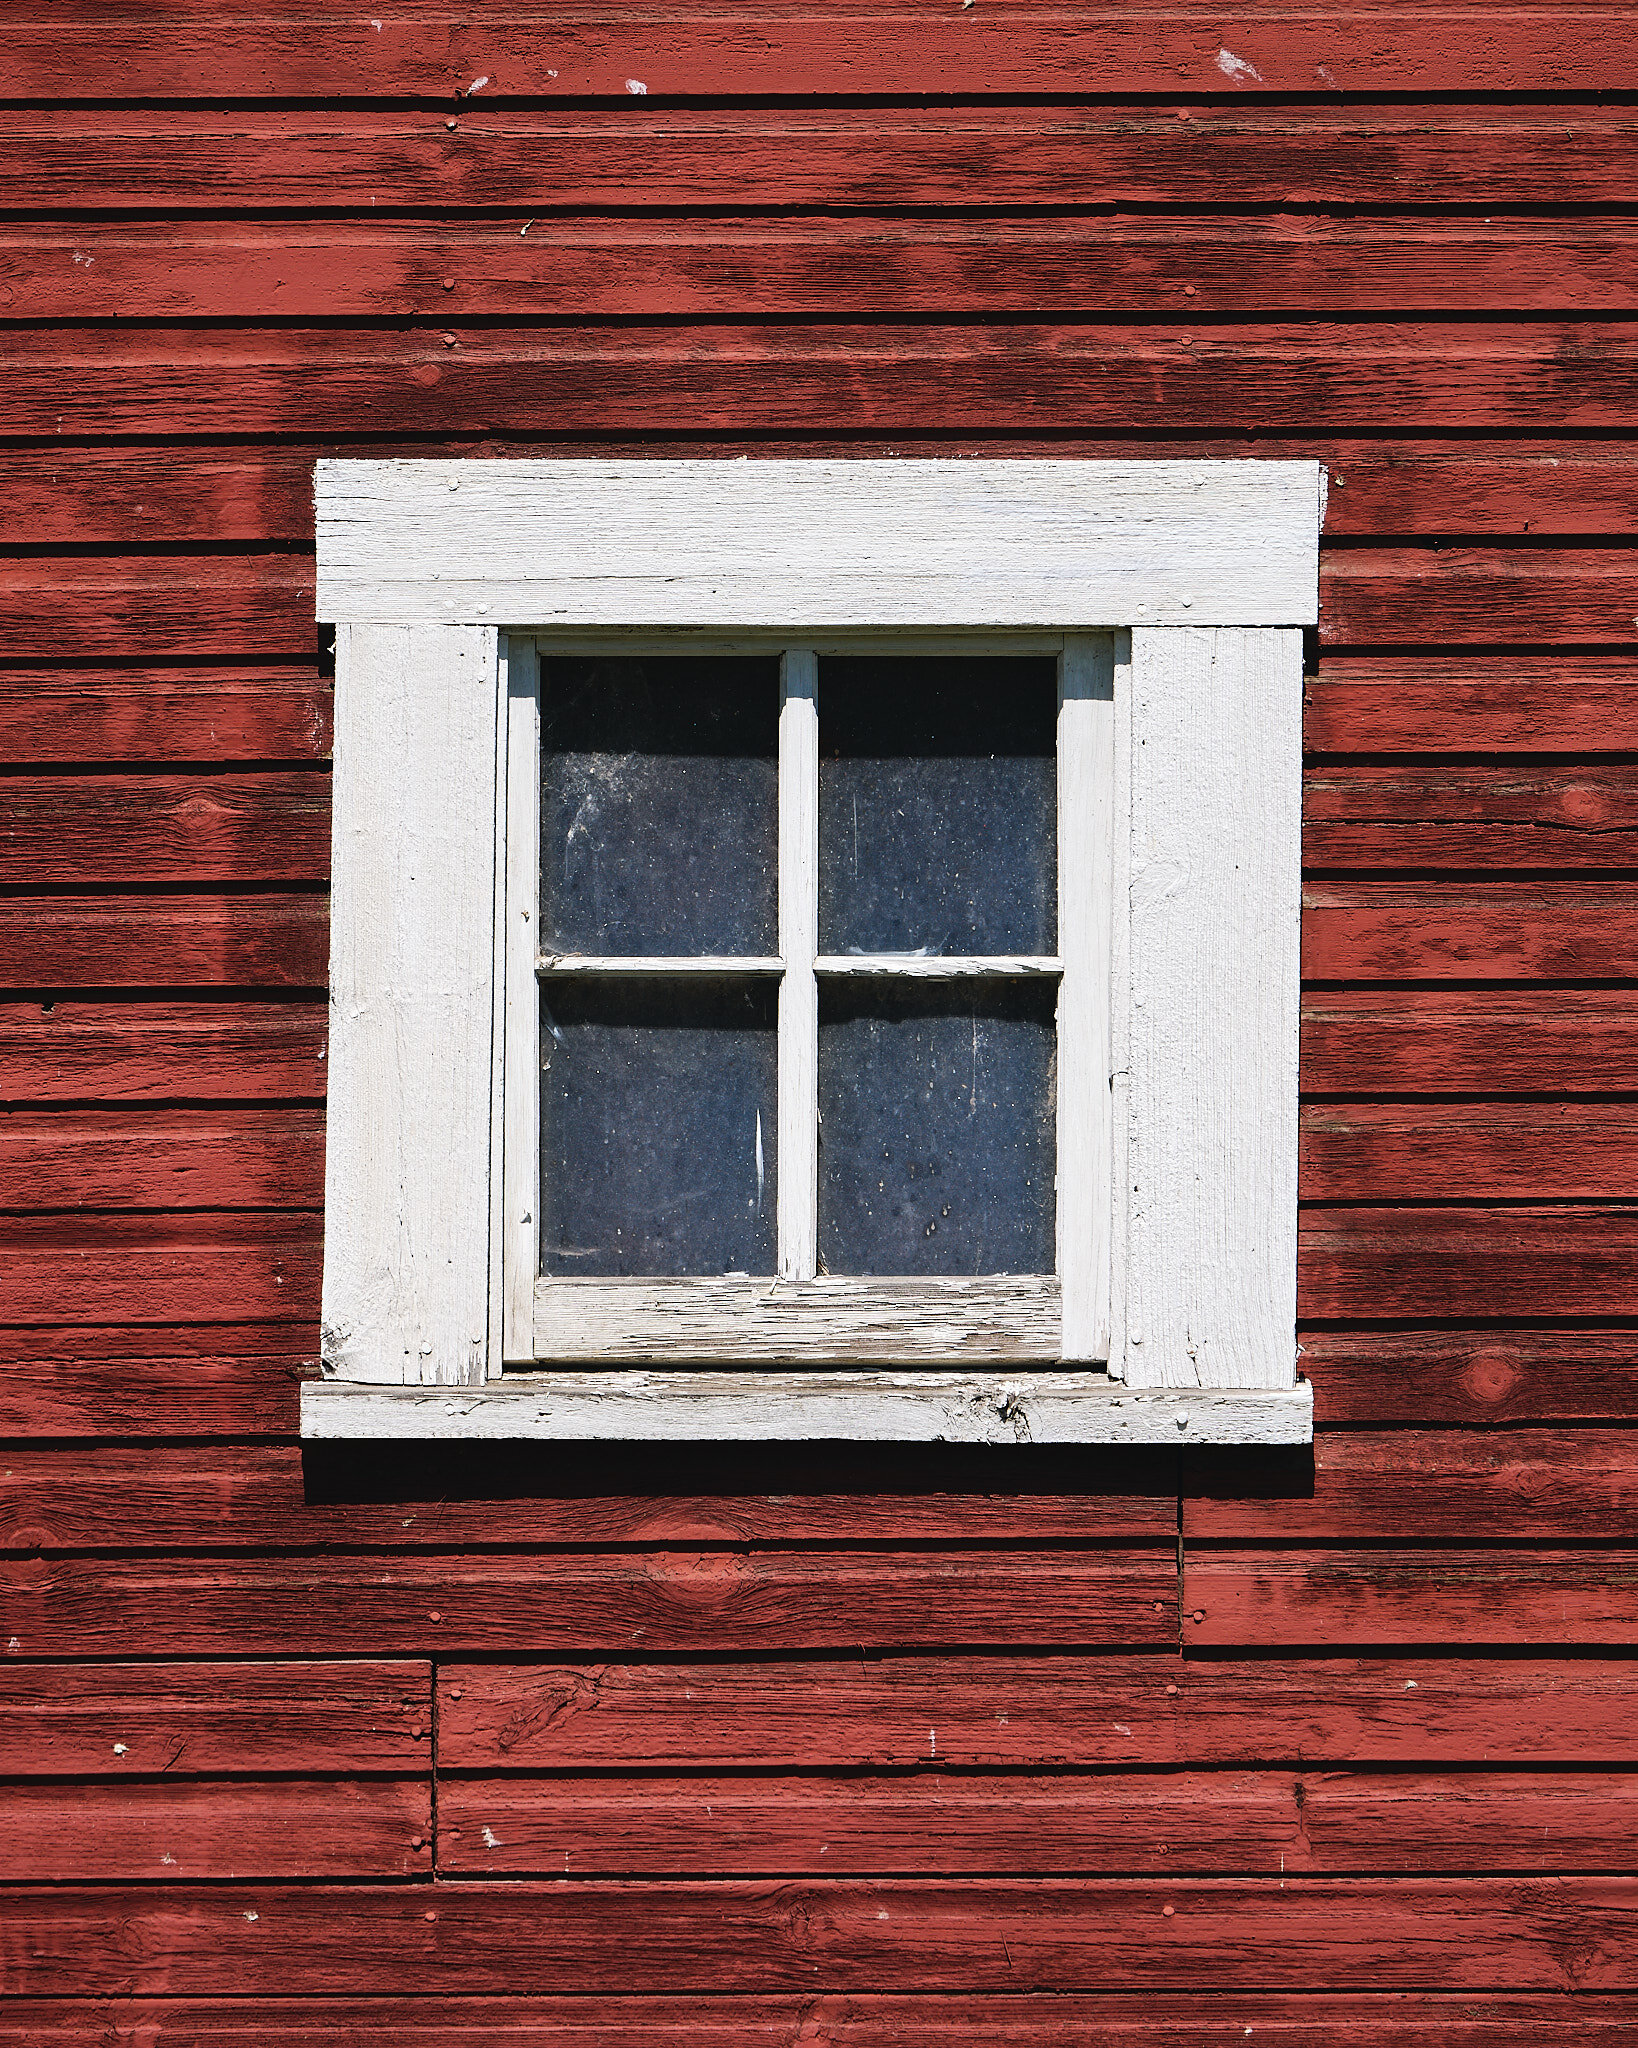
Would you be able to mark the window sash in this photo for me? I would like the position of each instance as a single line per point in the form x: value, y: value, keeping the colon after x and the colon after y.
x: 800, y: 1315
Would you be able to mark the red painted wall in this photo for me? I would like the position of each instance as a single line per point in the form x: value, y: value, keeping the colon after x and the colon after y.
x: 917, y: 1747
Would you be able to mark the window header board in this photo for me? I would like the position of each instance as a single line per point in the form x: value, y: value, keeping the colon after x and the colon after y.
x: 819, y: 545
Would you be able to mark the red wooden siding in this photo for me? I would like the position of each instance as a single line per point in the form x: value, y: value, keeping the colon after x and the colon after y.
x: 460, y: 1750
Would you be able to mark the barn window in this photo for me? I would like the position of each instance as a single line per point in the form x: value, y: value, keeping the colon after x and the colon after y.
x: 814, y: 949
x: 812, y: 1005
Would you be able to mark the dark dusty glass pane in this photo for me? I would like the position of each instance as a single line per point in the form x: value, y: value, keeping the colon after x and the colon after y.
x: 938, y: 806
x: 657, y: 1127
x: 660, y: 806
x: 937, y: 1140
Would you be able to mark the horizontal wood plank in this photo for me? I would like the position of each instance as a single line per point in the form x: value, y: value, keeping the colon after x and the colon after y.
x: 196, y: 159
x: 133, y: 1381
x: 275, y: 1497
x: 162, y: 1159
x: 212, y: 54
x: 1469, y: 1041
x: 1596, y: 797
x: 1440, y: 702
x: 144, y: 497
x: 930, y: 1823
x: 1464, y: 1263
x: 934, y: 1822
x: 1439, y: 815
x: 156, y: 942
x: 1186, y: 2019
x: 164, y: 607
x: 709, y: 1600
x: 186, y: 1720
x: 145, y: 1052
x: 204, y: 1828
x: 252, y: 271
x: 889, y: 377
x: 1334, y: 1599
x: 1468, y: 1152
x: 114, y: 714
x: 251, y: 1266
x: 1446, y: 1486
x: 1565, y: 1820
x: 1555, y: 487
x: 1547, y: 930
x: 1474, y: 1377
x: 78, y: 832
x: 1524, y: 596
x: 1474, y: 1934
x: 1101, y: 1711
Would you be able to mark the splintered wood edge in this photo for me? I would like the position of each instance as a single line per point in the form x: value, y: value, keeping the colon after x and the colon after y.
x: 764, y: 1407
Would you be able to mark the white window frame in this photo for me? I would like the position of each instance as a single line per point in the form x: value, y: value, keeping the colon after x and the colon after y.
x: 1174, y: 594
x: 800, y: 1316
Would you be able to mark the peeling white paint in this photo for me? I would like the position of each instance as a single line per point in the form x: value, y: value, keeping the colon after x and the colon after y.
x: 477, y: 85
x: 636, y: 85
x: 1239, y: 69
x: 490, y: 1839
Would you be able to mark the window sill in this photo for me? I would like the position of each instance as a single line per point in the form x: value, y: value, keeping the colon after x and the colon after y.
x: 762, y: 1407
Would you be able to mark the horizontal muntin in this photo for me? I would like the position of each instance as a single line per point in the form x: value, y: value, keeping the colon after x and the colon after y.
x: 940, y: 966
x: 708, y: 965
x: 920, y: 966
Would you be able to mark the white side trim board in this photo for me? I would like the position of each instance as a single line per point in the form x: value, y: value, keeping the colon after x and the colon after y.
x: 771, y: 1407
x: 820, y: 544
x: 1212, y: 1005
x: 412, y: 965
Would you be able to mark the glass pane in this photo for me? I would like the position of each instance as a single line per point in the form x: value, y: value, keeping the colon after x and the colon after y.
x: 657, y: 1127
x: 937, y: 1134
x: 938, y: 805
x: 659, y: 815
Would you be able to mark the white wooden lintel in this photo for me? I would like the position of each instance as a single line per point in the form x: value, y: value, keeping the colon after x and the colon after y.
x: 819, y: 545
x: 760, y: 1407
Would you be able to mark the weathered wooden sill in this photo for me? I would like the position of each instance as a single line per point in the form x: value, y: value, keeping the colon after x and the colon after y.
x: 1063, y: 1407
